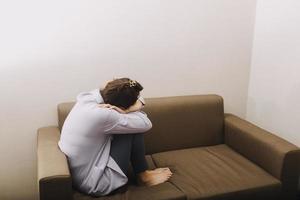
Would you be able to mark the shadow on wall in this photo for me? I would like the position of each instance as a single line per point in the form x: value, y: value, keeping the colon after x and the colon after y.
x: 261, y: 113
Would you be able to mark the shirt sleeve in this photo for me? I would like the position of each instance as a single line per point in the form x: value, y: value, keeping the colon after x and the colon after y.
x: 133, y: 122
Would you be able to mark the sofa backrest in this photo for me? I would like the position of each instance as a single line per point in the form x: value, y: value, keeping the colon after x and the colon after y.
x: 178, y: 121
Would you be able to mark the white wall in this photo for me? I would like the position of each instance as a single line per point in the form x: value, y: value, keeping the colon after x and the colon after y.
x: 52, y: 50
x: 274, y: 88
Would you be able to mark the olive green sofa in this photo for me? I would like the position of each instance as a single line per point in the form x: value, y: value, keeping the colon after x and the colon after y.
x: 213, y: 156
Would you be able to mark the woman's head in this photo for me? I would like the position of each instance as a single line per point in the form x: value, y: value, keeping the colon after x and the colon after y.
x: 121, y: 92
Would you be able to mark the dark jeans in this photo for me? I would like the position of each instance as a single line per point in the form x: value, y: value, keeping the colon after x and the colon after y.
x: 129, y: 147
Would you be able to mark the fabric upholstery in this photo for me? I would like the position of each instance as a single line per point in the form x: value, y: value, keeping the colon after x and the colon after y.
x: 277, y: 156
x: 211, y: 156
x: 183, y: 122
x: 164, y: 191
x: 217, y: 172
x: 54, y: 177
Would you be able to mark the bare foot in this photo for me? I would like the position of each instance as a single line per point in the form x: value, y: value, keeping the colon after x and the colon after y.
x: 154, y: 177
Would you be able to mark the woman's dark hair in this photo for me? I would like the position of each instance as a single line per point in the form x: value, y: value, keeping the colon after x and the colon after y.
x: 121, y: 92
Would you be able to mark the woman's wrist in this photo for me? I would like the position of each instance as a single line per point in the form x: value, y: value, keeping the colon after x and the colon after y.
x: 135, y: 107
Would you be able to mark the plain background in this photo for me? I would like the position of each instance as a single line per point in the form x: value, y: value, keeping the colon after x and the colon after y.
x: 274, y: 88
x: 50, y: 51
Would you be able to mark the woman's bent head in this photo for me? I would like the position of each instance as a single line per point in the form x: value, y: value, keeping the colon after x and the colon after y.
x: 121, y: 92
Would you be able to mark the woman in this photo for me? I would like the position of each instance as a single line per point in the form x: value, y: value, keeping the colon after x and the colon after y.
x: 103, y: 133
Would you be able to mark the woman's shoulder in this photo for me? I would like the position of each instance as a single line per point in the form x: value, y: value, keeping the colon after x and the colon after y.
x: 92, y: 96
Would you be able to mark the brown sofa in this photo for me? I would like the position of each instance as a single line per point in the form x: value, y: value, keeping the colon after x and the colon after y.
x: 212, y: 155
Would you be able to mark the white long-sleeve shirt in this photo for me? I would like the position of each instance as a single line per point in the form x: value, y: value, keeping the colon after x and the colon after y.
x: 86, y: 138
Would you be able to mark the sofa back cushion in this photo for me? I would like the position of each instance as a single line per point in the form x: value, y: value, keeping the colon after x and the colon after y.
x: 178, y: 121
x: 184, y: 122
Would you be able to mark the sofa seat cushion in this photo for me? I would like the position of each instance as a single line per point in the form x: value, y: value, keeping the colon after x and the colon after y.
x: 164, y: 191
x: 217, y: 172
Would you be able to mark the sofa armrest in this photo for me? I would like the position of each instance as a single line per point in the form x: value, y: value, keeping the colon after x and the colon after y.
x: 53, y: 175
x: 272, y: 153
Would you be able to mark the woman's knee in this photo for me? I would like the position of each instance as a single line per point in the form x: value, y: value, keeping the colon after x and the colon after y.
x: 139, y: 137
x: 122, y: 137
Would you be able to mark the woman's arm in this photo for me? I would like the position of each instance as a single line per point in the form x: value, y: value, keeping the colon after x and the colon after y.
x: 139, y: 104
x: 135, y: 107
x: 131, y: 120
